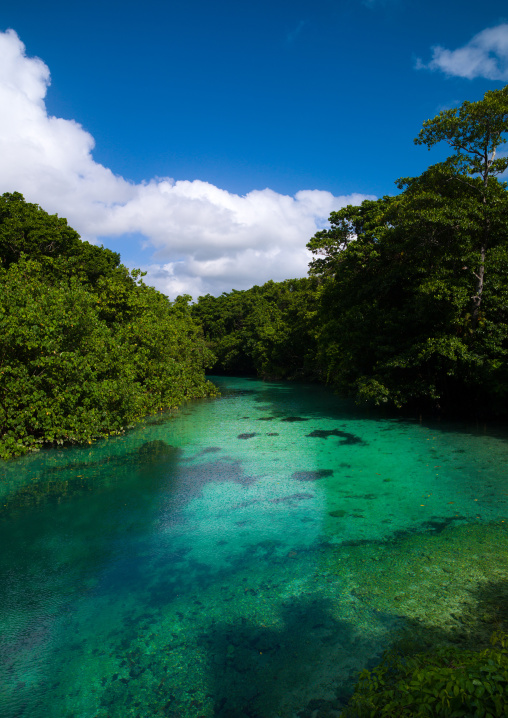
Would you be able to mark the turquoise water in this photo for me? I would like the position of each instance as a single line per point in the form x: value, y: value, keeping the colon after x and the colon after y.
x: 243, y: 557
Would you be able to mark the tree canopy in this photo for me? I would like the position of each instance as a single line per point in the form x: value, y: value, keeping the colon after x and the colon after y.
x: 415, y: 308
x: 86, y: 348
x: 406, y: 304
x: 267, y: 331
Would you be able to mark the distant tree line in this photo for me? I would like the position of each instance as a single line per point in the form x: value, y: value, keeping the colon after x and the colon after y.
x: 86, y: 348
x: 269, y: 331
x: 407, y: 297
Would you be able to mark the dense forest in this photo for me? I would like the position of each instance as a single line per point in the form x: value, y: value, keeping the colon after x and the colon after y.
x: 406, y: 304
x: 86, y: 348
x: 407, y: 299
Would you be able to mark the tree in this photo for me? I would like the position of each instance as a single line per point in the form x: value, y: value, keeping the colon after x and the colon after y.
x: 86, y: 348
x: 25, y: 228
x: 403, y: 317
x: 268, y: 330
x: 474, y: 131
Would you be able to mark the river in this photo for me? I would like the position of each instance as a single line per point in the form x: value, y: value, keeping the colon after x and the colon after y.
x: 245, y: 556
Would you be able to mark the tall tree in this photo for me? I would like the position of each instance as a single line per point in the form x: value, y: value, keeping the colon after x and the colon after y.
x: 474, y: 131
x: 404, y: 318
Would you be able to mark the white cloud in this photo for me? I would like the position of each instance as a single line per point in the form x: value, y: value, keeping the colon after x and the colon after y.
x: 486, y: 55
x: 204, y: 238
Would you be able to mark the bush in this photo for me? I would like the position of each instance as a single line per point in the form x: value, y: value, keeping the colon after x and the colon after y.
x: 447, y: 682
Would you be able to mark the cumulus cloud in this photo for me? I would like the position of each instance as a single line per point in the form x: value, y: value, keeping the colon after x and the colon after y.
x: 203, y: 238
x: 486, y: 55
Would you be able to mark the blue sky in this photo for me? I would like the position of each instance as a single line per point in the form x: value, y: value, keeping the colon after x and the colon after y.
x: 206, y: 142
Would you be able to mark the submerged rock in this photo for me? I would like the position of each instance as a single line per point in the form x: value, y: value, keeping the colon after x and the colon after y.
x: 325, y: 433
x: 312, y: 475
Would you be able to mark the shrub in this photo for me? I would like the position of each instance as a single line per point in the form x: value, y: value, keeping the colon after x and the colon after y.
x: 447, y: 682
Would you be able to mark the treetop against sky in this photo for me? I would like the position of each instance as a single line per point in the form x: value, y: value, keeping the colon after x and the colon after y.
x: 207, y: 142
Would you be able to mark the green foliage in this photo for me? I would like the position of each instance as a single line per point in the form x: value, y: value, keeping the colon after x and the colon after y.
x: 474, y: 131
x: 86, y: 349
x: 27, y: 229
x: 447, y: 682
x: 414, y: 302
x: 268, y: 330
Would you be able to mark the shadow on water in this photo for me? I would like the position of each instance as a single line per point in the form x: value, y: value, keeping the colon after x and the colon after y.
x: 286, y: 401
x: 255, y: 670
x: 67, y: 481
x: 304, y: 666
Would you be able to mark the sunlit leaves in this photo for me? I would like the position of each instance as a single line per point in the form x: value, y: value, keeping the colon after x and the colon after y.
x: 86, y: 349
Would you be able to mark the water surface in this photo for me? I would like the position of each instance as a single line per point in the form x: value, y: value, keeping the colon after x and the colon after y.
x: 243, y: 557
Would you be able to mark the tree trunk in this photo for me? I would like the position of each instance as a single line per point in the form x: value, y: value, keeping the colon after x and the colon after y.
x: 477, y: 298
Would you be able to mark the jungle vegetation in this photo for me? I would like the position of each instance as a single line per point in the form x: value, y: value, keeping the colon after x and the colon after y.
x: 270, y: 331
x: 86, y: 348
x: 406, y: 303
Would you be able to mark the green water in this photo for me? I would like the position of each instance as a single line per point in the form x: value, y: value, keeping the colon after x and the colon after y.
x: 243, y: 557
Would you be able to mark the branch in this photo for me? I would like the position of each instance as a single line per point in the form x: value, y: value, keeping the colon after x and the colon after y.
x: 463, y: 147
x: 468, y: 184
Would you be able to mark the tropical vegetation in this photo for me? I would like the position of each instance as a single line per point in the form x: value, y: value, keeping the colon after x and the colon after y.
x: 407, y: 299
x: 447, y: 682
x: 86, y: 348
x: 406, y: 304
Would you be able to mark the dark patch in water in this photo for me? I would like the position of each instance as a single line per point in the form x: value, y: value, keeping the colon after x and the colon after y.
x: 273, y: 433
x: 243, y: 504
x: 252, y: 669
x: 438, y: 524
x: 294, y: 418
x: 63, y: 483
x: 186, y: 483
x: 156, y: 449
x: 348, y: 438
x: 338, y: 514
x: 211, y: 450
x: 312, y: 475
x: 246, y: 436
x: 290, y: 498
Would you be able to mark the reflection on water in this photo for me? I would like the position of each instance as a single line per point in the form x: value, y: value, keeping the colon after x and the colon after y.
x: 178, y: 571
